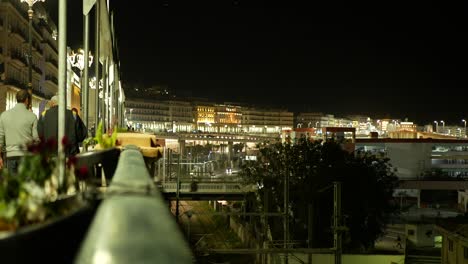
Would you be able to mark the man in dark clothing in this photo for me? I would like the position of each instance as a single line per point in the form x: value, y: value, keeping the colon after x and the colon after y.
x: 75, y: 132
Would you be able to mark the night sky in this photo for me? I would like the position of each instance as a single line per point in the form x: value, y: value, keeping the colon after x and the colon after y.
x: 402, y: 59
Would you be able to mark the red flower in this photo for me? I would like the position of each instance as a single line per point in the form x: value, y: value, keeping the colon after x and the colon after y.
x: 51, y: 145
x: 82, y: 173
x: 33, y: 147
x: 65, y: 141
x: 71, y: 161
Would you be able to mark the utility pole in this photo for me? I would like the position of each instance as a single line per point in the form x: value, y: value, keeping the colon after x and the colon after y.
x: 337, y: 228
x: 310, y: 231
x: 286, y: 215
x: 178, y: 189
x: 265, y: 222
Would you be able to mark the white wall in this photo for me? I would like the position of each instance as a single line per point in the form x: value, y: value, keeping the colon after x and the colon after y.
x: 349, y: 259
x: 411, y: 159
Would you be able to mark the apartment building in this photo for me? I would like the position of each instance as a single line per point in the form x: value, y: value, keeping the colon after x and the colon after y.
x: 159, y: 115
x: 266, y: 121
x: 205, y: 116
x: 14, y: 53
x: 228, y: 118
x: 307, y: 119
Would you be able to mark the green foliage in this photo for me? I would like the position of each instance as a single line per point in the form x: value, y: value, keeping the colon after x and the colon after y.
x: 24, y: 196
x: 104, y: 140
x: 200, y: 151
x: 310, y: 167
x: 90, y: 141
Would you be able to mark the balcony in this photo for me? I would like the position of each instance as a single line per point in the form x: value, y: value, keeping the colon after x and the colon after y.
x: 51, y: 45
x: 52, y: 62
x: 20, y: 33
x: 19, y: 58
x: 37, y: 69
x: 37, y: 47
x: 16, y: 83
x: 39, y: 93
x: 52, y: 79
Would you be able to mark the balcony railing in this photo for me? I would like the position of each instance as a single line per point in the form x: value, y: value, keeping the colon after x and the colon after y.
x: 37, y: 46
x: 39, y: 93
x: 51, y: 44
x: 37, y: 69
x: 52, y: 61
x: 16, y: 83
x: 19, y: 32
x: 16, y: 55
x: 52, y: 79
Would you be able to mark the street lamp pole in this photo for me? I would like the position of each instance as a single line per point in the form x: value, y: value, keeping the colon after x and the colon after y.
x: 30, y: 16
x: 437, y: 126
x: 443, y: 126
x: 464, y: 121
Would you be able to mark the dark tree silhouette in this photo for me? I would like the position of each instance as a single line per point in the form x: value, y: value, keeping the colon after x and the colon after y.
x: 367, y: 181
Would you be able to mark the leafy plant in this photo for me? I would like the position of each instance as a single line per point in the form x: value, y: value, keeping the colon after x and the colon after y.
x: 25, y: 197
x: 105, y: 140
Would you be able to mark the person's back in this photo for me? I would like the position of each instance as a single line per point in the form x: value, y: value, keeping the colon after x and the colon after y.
x: 17, y: 127
x: 48, y: 127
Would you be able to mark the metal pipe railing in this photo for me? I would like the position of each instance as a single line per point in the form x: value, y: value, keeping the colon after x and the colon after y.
x: 133, y: 224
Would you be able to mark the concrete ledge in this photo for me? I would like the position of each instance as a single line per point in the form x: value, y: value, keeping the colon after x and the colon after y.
x: 133, y: 224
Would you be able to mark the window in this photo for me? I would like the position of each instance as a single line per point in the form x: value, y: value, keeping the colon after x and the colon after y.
x: 450, y: 245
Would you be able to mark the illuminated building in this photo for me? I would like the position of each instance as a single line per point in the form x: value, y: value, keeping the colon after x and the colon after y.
x: 228, y: 118
x: 266, y: 121
x: 159, y: 115
x: 307, y: 119
x: 205, y: 117
x: 13, y: 54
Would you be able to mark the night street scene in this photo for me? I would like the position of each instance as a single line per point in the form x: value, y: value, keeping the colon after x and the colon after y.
x: 233, y: 131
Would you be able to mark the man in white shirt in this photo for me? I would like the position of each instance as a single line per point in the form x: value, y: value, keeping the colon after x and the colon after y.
x: 18, y: 127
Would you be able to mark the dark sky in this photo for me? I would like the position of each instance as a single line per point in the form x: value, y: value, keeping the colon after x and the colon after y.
x: 396, y: 58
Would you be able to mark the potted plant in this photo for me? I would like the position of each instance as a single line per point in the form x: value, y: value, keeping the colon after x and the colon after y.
x: 38, y: 209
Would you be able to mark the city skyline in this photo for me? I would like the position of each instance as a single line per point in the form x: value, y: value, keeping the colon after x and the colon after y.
x: 393, y: 59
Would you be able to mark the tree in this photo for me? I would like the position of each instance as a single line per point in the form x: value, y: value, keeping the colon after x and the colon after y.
x: 367, y: 187
x: 200, y: 151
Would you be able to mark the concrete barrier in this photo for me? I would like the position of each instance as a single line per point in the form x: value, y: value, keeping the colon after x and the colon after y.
x: 133, y: 224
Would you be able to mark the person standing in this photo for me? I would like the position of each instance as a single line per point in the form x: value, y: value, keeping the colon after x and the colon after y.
x: 75, y: 131
x: 18, y: 127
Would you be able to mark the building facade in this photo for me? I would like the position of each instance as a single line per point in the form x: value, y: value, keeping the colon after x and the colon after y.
x: 266, y: 121
x: 454, y: 242
x: 14, y: 53
x: 159, y: 115
x: 418, y: 158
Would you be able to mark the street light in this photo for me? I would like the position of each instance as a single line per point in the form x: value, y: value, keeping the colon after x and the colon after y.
x: 437, y: 126
x: 464, y: 121
x: 443, y: 126
x: 30, y: 15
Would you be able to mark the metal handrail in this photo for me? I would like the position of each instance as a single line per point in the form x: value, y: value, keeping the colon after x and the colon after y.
x: 132, y: 225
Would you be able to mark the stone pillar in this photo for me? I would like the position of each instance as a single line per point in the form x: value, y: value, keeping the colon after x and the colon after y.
x: 181, y: 147
x: 419, y: 198
x: 230, y: 153
x: 3, y: 92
